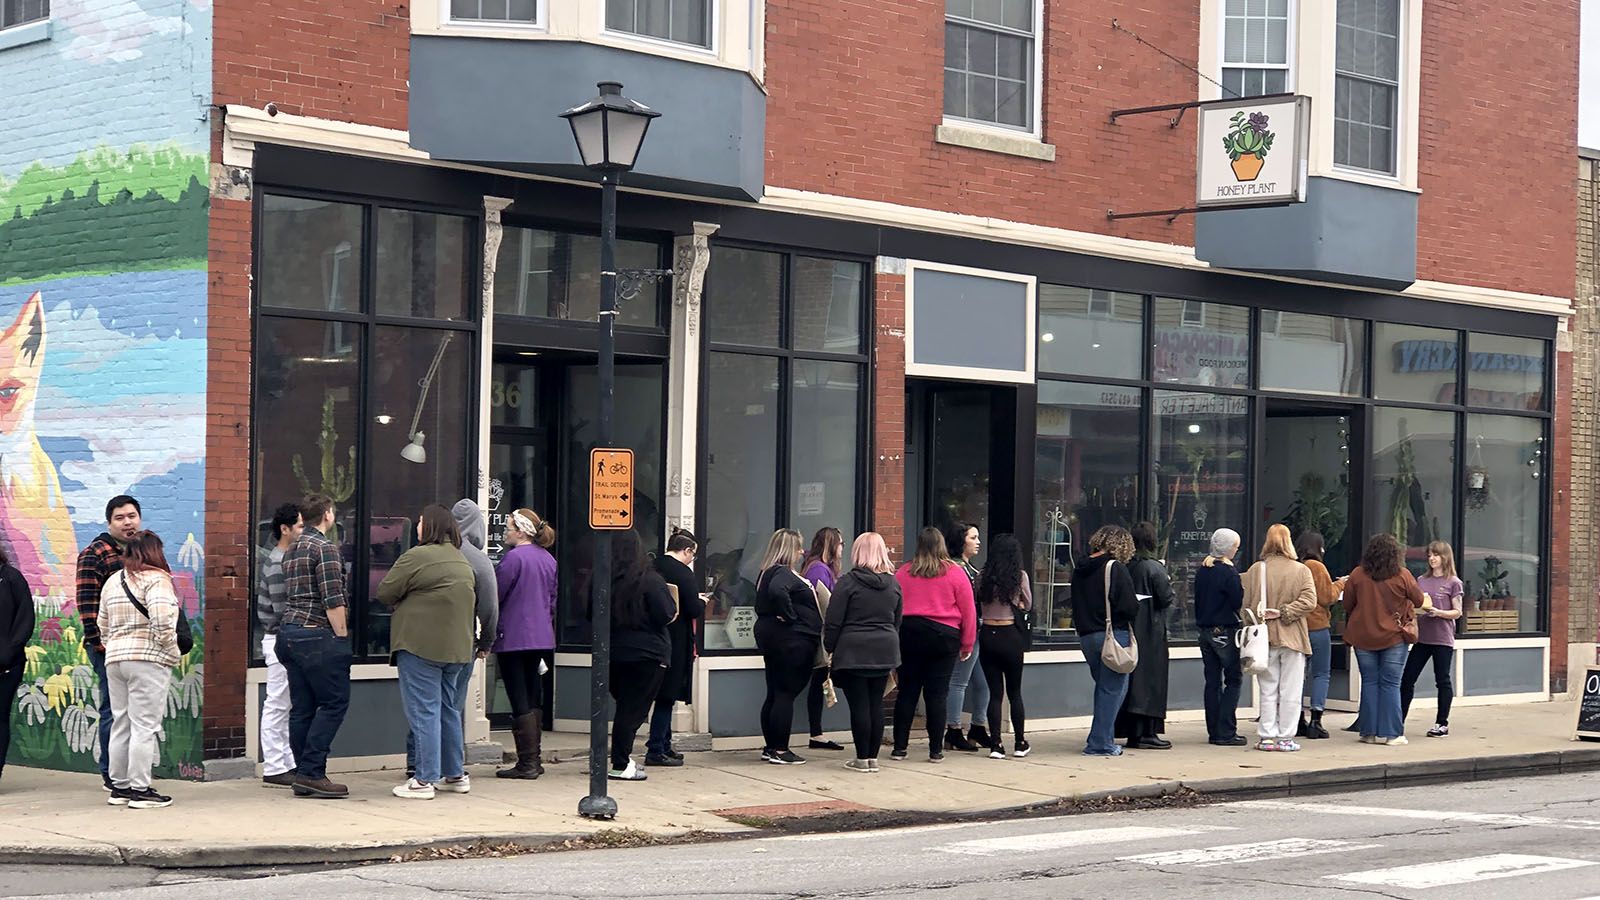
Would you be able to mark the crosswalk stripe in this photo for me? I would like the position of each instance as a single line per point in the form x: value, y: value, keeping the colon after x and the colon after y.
x: 1062, y: 840
x: 1461, y: 871
x: 1259, y: 851
x: 1429, y: 815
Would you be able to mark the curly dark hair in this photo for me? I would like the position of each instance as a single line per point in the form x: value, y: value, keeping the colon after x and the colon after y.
x: 1001, y: 581
x: 1381, y: 560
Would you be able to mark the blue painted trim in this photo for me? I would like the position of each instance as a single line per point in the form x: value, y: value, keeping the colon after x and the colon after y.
x: 22, y: 35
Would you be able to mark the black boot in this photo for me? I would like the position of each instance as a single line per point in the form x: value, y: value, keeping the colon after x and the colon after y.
x: 955, y: 740
x: 528, y: 732
x: 1300, y: 730
x: 979, y: 736
x: 1314, y: 730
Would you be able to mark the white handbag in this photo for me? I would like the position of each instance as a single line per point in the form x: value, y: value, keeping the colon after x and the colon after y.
x: 1252, y: 640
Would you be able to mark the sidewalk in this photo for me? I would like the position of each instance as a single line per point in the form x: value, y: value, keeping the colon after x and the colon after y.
x: 54, y: 817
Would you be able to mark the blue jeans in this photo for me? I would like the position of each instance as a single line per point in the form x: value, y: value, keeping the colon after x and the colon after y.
x: 1109, y: 690
x: 1380, y: 691
x: 318, y: 665
x: 431, y: 694
x: 97, y: 660
x: 967, y: 677
x: 1321, y: 667
x: 463, y: 689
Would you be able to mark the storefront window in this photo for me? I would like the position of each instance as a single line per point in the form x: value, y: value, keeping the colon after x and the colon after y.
x: 1413, y: 458
x: 556, y: 275
x: 1090, y: 332
x: 783, y: 376
x: 1505, y: 372
x: 1414, y: 364
x: 1500, y: 550
x: 1202, y: 344
x: 1201, y: 471
x: 1310, y: 354
x: 423, y: 264
x: 1087, y: 464
x: 311, y: 253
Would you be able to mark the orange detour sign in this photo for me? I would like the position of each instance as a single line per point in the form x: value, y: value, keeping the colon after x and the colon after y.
x: 610, y: 489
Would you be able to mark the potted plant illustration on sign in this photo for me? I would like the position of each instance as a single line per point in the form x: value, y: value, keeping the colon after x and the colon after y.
x: 1247, y: 143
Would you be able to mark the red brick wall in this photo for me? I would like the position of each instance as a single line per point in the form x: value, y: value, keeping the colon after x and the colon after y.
x: 347, y: 61
x: 228, y: 527
x: 889, y: 413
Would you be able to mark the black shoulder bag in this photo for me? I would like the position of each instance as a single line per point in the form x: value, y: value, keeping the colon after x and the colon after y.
x: 185, y: 635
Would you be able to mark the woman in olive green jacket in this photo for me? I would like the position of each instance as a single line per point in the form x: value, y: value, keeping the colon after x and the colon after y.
x: 432, y: 590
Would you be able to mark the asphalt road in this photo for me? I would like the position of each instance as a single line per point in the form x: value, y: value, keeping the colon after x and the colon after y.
x: 1535, y: 837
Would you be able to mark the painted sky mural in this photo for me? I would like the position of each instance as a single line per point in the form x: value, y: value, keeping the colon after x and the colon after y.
x: 102, y: 334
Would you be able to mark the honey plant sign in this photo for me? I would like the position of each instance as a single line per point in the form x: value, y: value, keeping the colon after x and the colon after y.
x: 1251, y: 153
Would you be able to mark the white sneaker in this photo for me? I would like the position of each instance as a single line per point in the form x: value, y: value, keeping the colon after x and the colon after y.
x: 858, y: 765
x: 1398, y: 741
x: 998, y: 752
x: 414, y: 790
x: 631, y: 773
x: 462, y: 785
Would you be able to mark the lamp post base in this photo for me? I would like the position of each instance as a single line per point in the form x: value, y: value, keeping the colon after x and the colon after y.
x: 602, y: 807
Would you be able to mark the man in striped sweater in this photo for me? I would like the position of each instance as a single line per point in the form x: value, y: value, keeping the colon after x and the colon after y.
x: 272, y: 592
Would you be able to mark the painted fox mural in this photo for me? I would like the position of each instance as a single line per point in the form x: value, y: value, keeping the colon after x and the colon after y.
x: 35, y: 526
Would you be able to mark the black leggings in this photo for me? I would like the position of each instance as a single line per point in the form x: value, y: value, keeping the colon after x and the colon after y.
x: 814, y: 700
x: 863, y: 693
x: 1000, y: 655
x: 634, y: 686
x: 519, y: 670
x: 1442, y: 658
x: 928, y: 652
x: 788, y: 658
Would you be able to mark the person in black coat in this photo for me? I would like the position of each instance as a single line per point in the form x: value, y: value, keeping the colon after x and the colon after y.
x: 1111, y: 548
x: 788, y: 632
x: 863, y: 634
x: 641, y: 610
x: 676, y: 566
x: 16, y: 629
x: 1144, y: 712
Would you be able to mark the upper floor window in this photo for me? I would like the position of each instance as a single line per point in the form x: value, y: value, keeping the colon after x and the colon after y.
x: 21, y: 12
x: 1255, y: 47
x: 990, y: 69
x: 678, y: 21
x: 1366, y: 103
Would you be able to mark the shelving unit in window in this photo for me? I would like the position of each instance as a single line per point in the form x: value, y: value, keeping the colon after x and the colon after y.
x: 1052, y: 590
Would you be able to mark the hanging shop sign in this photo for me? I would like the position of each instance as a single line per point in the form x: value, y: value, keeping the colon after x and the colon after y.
x: 1252, y: 151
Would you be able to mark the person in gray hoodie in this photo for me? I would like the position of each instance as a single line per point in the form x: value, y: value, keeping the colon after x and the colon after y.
x: 862, y: 632
x: 474, y: 537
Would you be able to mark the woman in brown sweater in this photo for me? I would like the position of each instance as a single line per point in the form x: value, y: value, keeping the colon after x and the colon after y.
x: 1318, y: 630
x: 1380, y: 598
x: 1282, y: 586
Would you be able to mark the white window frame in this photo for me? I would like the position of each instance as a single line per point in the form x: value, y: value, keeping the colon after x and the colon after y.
x: 1276, y: 318
x: 1184, y: 319
x: 713, y: 30
x: 29, y: 32
x: 1291, y: 55
x: 1109, y: 298
x: 973, y: 373
x: 1403, y: 69
x: 540, y: 24
x: 1036, y: 84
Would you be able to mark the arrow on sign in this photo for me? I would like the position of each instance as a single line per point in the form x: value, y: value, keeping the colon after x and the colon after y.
x: 623, y: 497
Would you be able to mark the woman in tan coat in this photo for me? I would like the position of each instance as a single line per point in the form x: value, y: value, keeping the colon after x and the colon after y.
x: 1290, y: 596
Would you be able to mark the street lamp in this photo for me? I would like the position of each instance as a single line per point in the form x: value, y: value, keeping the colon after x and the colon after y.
x: 609, y: 131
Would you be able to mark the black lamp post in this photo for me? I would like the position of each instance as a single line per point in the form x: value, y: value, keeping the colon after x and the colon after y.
x: 609, y: 131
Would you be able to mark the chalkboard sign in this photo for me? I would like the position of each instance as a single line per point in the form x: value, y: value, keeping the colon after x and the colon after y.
x: 1589, y: 705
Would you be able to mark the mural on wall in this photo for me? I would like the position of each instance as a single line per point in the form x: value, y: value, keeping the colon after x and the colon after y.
x: 103, y: 218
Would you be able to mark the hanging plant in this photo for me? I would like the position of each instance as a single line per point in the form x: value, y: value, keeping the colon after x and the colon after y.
x: 1477, y: 477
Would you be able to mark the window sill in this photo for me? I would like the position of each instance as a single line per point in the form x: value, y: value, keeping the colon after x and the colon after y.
x: 994, y: 142
x: 1373, y: 179
x: 22, y: 35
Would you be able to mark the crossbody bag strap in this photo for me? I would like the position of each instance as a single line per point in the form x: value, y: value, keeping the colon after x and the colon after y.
x: 131, y: 598
x: 1108, y: 593
x: 1261, y: 601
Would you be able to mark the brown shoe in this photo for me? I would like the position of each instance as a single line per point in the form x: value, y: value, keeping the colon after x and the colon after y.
x: 320, y: 788
x: 282, y: 779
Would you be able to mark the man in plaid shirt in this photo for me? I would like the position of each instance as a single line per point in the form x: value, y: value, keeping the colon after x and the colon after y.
x: 314, y: 647
x: 97, y: 563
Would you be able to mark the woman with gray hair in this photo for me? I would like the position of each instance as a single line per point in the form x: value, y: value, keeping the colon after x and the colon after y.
x: 1218, y: 598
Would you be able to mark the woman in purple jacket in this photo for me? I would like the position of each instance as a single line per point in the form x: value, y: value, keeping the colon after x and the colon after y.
x: 527, y: 634
x: 820, y: 569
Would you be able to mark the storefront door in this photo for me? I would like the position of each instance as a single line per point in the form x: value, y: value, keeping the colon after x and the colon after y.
x: 960, y: 448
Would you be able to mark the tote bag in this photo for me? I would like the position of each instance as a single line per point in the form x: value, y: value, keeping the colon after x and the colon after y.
x: 1252, y: 640
x: 1116, y: 657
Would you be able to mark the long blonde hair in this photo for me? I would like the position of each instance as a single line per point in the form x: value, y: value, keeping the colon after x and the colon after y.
x: 1278, y: 543
x: 784, y: 549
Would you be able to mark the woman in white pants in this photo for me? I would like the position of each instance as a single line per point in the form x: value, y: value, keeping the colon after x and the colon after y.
x: 138, y: 620
x: 1290, y: 594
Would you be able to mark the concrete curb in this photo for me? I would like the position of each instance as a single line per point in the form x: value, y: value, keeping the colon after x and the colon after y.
x: 1355, y: 778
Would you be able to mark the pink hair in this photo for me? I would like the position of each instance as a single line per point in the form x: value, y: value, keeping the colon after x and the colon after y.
x: 870, y: 552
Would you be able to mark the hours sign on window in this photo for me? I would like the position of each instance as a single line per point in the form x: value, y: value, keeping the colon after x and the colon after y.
x: 1252, y: 152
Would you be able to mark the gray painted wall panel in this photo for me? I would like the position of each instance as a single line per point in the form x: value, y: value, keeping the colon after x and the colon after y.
x: 374, y: 726
x: 1344, y: 232
x: 736, y: 697
x: 1499, y: 670
x: 572, y: 692
x: 486, y: 100
x: 966, y: 320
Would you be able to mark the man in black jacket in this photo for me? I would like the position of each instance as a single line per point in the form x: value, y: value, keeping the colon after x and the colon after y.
x: 16, y: 629
x: 677, y: 567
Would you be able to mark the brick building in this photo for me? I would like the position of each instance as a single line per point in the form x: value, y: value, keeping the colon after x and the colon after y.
x: 899, y: 296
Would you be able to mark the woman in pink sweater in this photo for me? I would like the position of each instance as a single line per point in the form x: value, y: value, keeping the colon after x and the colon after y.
x: 938, y: 627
